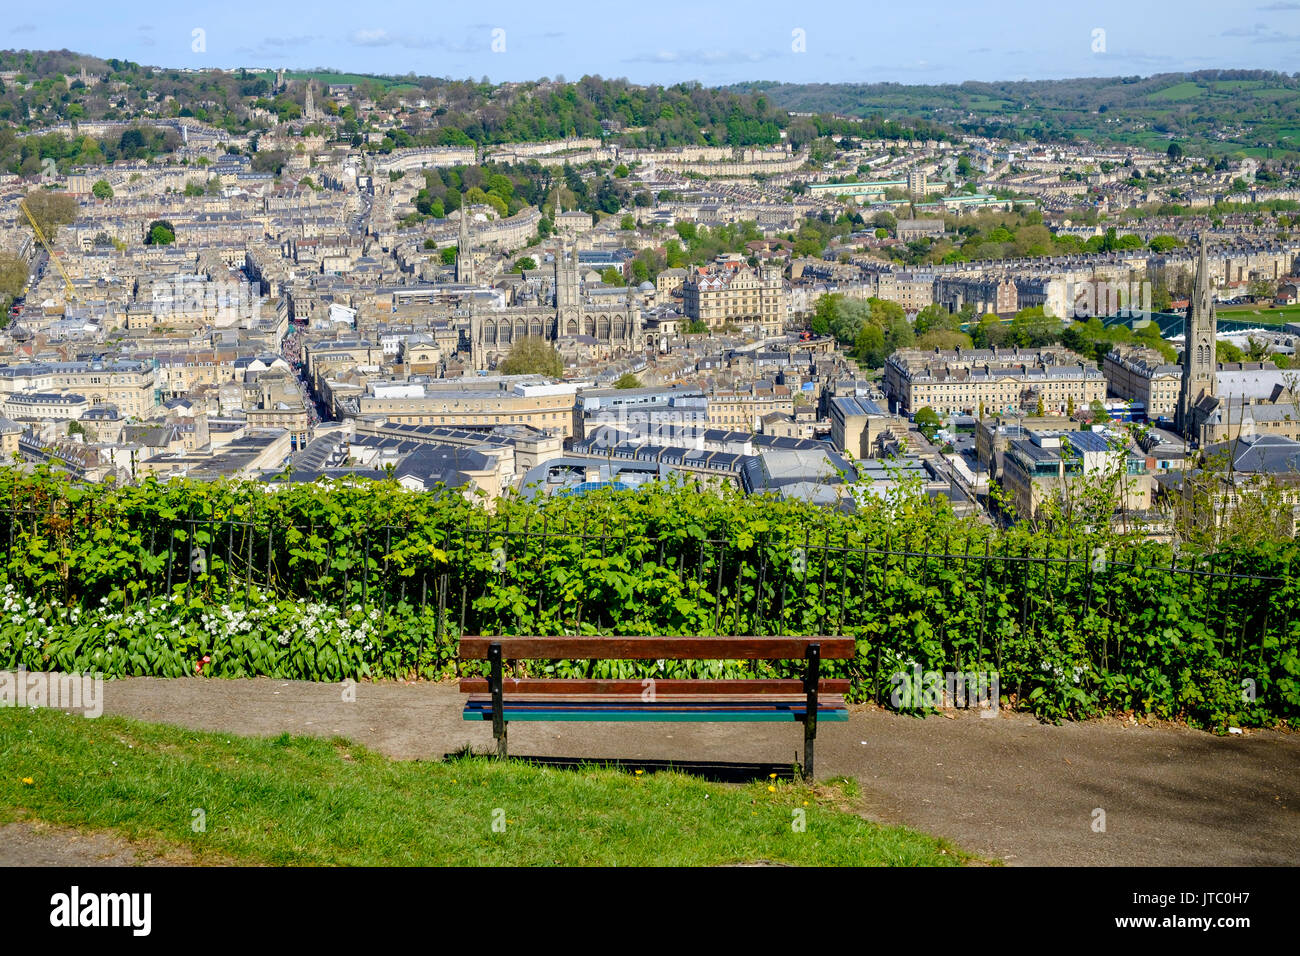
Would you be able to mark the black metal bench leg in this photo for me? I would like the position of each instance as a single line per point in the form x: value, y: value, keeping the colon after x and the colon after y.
x: 812, y: 677
x: 495, y: 681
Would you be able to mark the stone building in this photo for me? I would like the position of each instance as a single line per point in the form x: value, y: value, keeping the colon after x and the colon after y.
x: 1140, y: 374
x: 743, y: 297
x: 997, y: 295
x: 610, y: 327
x: 991, y: 381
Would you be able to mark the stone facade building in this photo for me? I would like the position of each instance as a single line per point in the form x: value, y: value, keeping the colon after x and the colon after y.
x: 996, y: 381
x: 743, y: 297
x: 1140, y: 374
x: 610, y: 327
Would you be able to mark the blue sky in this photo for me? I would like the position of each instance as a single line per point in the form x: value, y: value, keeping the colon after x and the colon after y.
x: 916, y: 41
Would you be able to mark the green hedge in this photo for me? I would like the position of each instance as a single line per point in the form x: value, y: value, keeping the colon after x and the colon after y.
x: 369, y: 580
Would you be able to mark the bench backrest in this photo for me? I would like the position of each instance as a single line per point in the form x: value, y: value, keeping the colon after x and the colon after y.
x: 657, y: 648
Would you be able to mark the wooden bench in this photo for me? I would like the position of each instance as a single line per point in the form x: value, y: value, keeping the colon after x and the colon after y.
x: 501, y: 699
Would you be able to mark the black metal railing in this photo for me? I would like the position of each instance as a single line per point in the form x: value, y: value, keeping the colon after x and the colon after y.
x: 967, y: 606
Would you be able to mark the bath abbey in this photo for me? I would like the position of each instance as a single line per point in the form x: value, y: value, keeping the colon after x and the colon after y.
x: 553, y: 309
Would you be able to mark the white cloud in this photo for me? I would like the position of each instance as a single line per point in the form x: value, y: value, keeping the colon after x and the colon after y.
x: 375, y: 37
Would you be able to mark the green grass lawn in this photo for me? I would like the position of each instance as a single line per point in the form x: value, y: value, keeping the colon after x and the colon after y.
x: 1260, y: 313
x: 300, y: 800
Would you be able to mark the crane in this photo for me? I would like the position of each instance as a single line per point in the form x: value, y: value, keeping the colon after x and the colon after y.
x: 72, y: 292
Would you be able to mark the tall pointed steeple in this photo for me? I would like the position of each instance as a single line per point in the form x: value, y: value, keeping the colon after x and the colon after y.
x: 1199, y: 363
x: 464, y: 253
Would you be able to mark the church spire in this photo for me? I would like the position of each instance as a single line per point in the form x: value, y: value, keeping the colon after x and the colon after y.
x: 1200, y: 366
x: 464, y: 253
x: 1204, y: 299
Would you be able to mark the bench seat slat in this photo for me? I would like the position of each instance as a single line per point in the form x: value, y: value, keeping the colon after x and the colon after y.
x: 657, y: 648
x: 671, y: 709
x: 674, y: 700
x: 641, y: 716
x: 663, y: 687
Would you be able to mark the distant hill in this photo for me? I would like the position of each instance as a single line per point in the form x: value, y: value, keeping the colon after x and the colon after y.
x: 45, y: 90
x: 1214, y: 111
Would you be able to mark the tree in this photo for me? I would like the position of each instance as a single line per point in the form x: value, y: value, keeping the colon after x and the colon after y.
x: 1261, y: 289
x: 869, y: 345
x: 935, y: 318
x: 1033, y: 327
x: 927, y: 421
x: 102, y: 189
x: 13, y: 275
x: 1227, y: 352
x: 627, y: 380
x: 532, y: 356
x: 269, y: 161
x: 430, y: 245
x: 50, y: 210
x: 527, y: 263
x: 1099, y: 413
x: 884, y: 220
x: 944, y: 339
x: 161, y: 233
x: 1161, y: 300
x: 627, y: 223
x: 448, y: 256
x: 675, y: 256
x: 1175, y: 151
